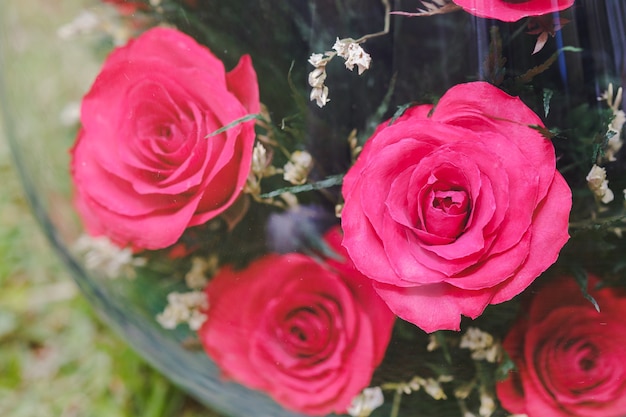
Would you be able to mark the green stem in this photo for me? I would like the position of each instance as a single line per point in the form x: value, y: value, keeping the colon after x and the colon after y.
x: 596, y: 223
x: 395, y: 406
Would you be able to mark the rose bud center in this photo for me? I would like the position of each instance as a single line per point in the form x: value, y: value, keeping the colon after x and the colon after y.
x: 447, y: 211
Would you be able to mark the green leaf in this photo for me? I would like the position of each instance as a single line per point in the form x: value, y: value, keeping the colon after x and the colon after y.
x: 547, y: 96
x: 494, y: 65
x: 232, y: 124
x: 581, y: 277
x: 547, y: 133
x: 505, y: 366
x: 399, y: 113
x: 534, y: 71
x: 325, y: 183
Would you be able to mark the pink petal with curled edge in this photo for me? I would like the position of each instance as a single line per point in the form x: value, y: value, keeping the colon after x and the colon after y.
x: 242, y: 82
x: 511, y: 11
x: 434, y: 307
x: 363, y: 244
x: 549, y: 235
x: 482, y: 107
x: 160, y: 229
x: 173, y: 47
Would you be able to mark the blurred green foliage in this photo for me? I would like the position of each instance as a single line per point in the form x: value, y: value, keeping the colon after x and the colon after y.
x: 56, y: 357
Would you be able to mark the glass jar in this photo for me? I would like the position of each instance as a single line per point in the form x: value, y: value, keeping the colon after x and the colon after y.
x: 566, y: 65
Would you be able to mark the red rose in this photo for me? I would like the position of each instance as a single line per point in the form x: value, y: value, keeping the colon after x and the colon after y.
x: 308, y: 334
x: 143, y: 167
x: 512, y: 10
x: 457, y: 207
x: 571, y: 359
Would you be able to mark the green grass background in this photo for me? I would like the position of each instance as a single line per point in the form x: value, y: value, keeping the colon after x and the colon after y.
x: 57, y: 358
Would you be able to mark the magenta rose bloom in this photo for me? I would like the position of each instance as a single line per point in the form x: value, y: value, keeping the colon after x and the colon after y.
x: 308, y: 334
x: 512, y: 10
x: 450, y: 209
x: 143, y: 167
x: 570, y: 359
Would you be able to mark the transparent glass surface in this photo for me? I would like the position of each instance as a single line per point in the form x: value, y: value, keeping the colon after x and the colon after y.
x: 43, y: 76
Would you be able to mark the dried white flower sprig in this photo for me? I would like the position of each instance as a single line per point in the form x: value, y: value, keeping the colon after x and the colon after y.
x: 100, y: 254
x: 351, y: 51
x: 201, y: 269
x: 366, y: 402
x: 615, y: 142
x: 185, y: 307
x: 319, y: 92
x: 599, y: 185
x: 431, y: 8
x: 482, y: 345
x: 431, y: 386
x: 298, y: 168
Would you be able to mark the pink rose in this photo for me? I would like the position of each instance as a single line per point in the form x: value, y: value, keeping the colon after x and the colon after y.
x: 143, y: 167
x: 451, y: 208
x: 308, y: 334
x: 512, y: 10
x: 571, y: 359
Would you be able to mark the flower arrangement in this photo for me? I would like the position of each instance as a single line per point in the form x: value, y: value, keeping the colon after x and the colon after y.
x: 439, y: 232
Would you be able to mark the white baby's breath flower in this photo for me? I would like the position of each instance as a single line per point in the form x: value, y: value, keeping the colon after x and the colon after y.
x: 261, y: 161
x: 317, y: 78
x: 482, y: 345
x: 430, y: 385
x: 463, y: 391
x: 298, y: 167
x: 353, y: 53
x: 366, y: 402
x: 599, y: 185
x: 487, y: 404
x: 184, y: 308
x: 350, y: 51
x: 318, y: 60
x: 102, y: 255
x: 433, y: 344
x: 319, y: 92
x: 196, y: 278
x: 320, y: 96
x: 492, y: 354
x: 433, y: 388
x: 475, y: 339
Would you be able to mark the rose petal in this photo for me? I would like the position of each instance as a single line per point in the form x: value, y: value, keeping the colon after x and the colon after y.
x: 511, y: 11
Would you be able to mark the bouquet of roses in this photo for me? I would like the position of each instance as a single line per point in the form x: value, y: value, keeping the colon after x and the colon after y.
x: 427, y: 229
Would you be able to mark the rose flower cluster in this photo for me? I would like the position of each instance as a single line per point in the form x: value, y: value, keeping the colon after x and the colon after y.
x: 447, y: 208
